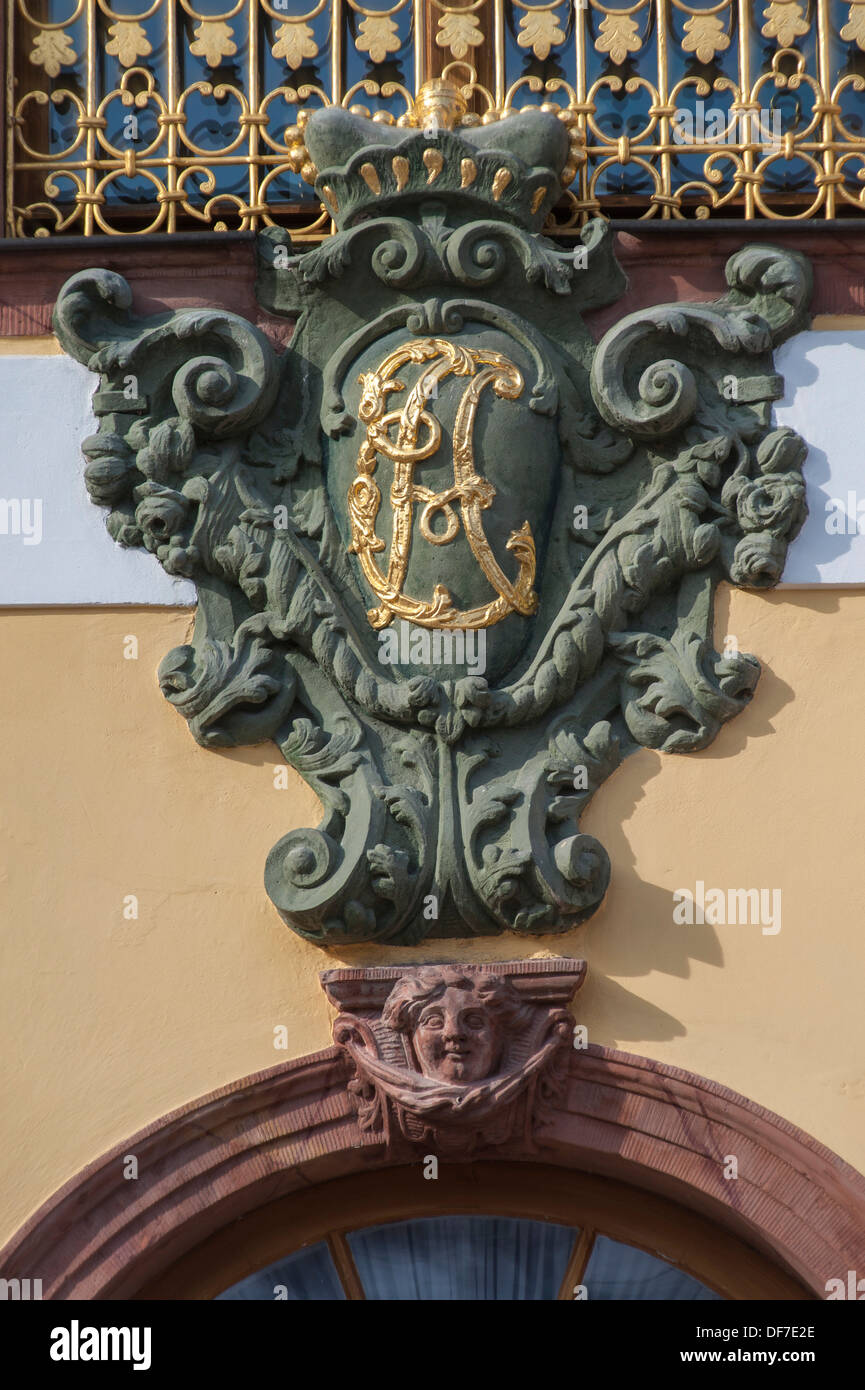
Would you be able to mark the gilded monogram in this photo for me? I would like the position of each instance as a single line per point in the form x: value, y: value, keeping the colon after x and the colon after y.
x: 417, y: 436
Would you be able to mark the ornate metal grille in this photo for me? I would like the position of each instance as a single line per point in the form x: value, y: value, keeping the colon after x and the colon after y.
x: 171, y: 115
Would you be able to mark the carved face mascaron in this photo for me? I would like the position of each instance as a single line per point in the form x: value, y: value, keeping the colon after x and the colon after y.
x: 456, y: 1039
x: 457, y: 1024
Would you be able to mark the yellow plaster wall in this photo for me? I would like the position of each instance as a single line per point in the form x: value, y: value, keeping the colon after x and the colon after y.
x: 111, y: 1022
x: 39, y: 345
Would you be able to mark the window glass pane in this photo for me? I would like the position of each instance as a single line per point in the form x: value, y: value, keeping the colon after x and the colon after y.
x: 306, y: 1274
x: 462, y: 1257
x: 472, y: 1258
x: 617, y: 1271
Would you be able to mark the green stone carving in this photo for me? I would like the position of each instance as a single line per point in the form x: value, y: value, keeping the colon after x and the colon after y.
x: 578, y: 502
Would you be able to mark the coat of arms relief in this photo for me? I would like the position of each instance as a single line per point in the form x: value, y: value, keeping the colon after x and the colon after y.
x: 453, y: 558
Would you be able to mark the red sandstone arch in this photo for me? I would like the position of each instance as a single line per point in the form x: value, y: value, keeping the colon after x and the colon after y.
x: 255, y: 1142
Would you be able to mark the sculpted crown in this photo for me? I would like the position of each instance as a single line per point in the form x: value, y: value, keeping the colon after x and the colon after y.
x: 510, y: 165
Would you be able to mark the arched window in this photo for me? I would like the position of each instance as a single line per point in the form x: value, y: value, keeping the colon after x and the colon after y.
x: 271, y: 1184
x: 476, y: 1232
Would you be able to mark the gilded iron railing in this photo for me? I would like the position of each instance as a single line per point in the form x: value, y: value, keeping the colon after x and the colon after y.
x: 167, y: 115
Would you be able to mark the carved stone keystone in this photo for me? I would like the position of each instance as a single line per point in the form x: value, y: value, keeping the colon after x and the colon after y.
x: 456, y: 1057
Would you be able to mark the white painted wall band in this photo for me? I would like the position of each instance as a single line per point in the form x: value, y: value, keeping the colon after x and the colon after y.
x: 824, y: 400
x: 55, y: 550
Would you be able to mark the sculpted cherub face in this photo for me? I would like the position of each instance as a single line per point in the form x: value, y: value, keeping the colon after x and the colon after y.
x: 456, y: 1038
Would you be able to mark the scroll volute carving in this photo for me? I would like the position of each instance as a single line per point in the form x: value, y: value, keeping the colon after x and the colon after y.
x: 456, y: 1057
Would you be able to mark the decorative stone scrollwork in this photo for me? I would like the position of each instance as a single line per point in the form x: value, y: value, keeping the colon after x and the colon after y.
x: 452, y: 557
x: 457, y: 1057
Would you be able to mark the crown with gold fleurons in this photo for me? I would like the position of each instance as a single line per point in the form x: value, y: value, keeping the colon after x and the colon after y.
x: 506, y: 164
